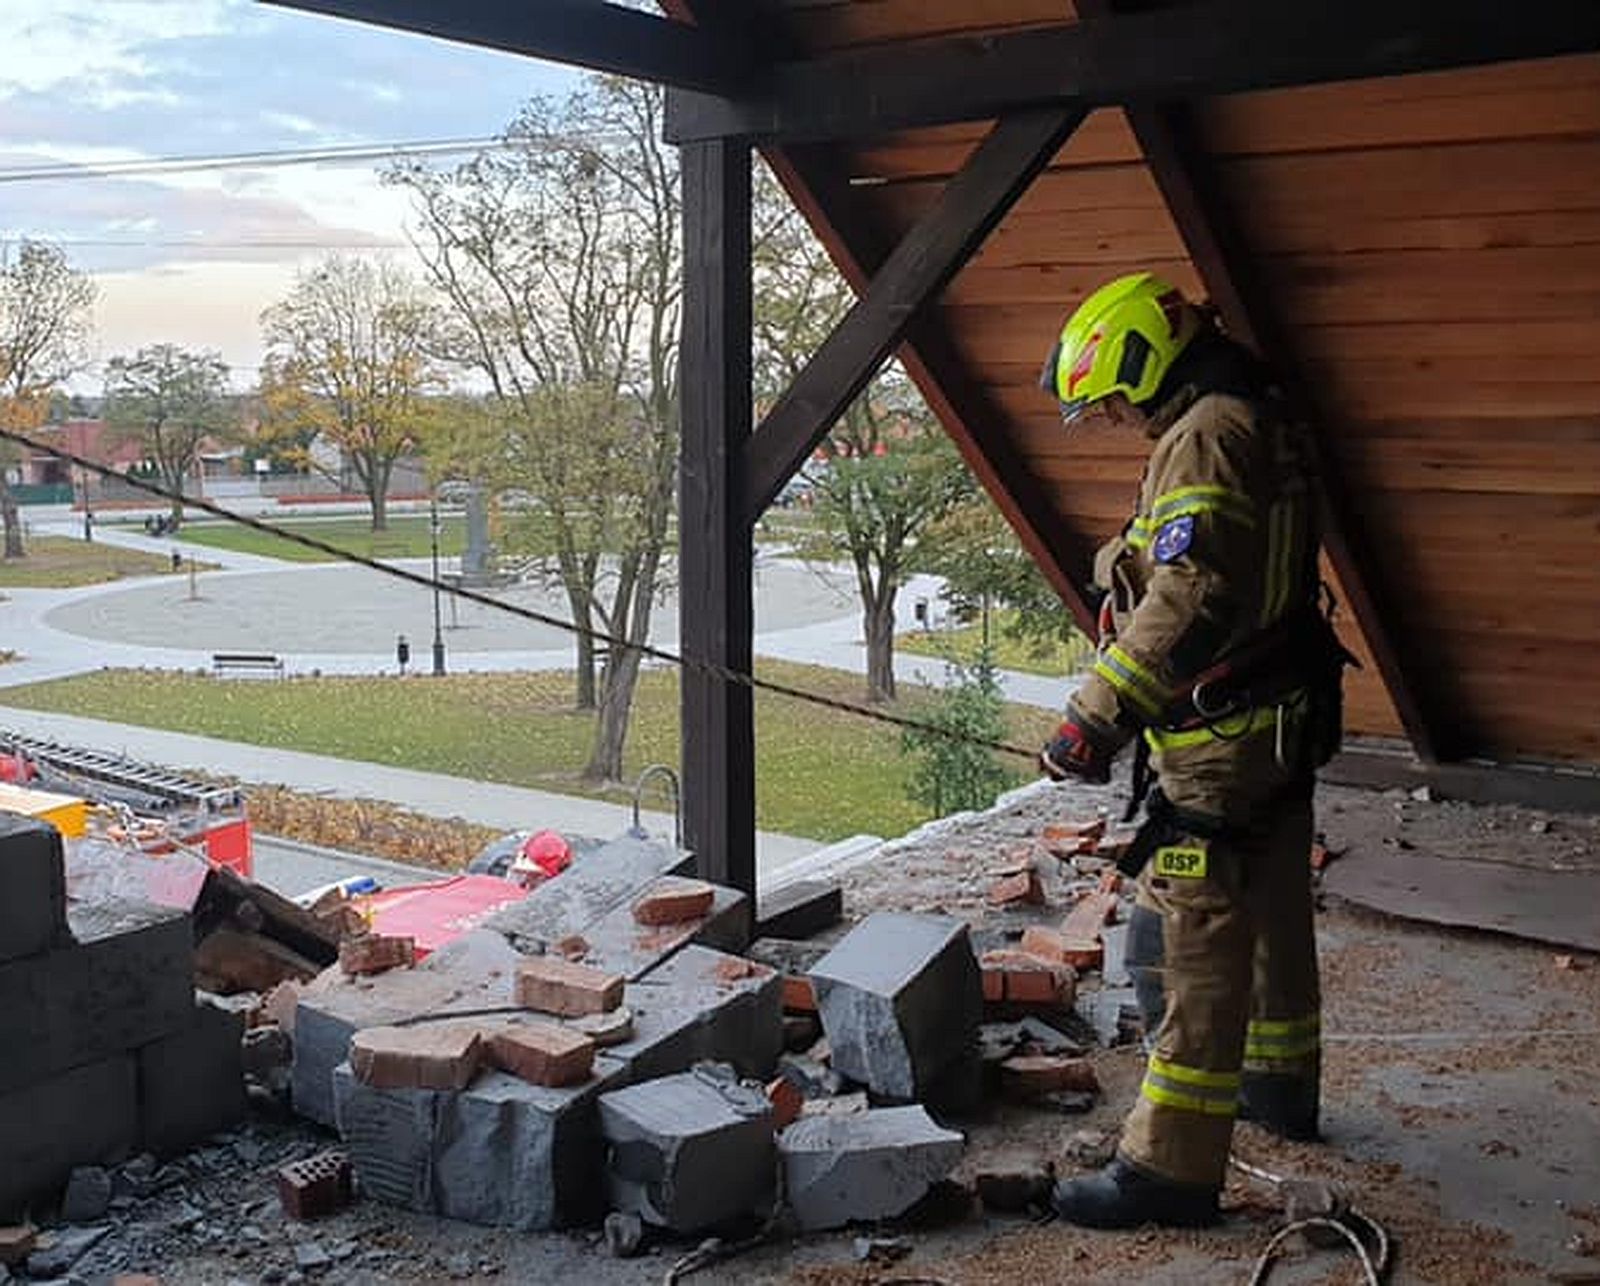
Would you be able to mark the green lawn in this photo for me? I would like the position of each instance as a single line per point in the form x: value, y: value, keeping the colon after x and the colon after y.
x: 819, y: 773
x: 59, y: 562
x: 963, y: 642
x: 407, y: 536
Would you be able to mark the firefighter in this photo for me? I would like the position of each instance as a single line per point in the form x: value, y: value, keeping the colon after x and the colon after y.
x: 1216, y: 656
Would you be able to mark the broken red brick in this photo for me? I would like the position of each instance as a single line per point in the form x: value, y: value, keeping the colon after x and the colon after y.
x: 541, y: 1053
x: 1080, y: 944
x: 376, y: 952
x: 1067, y: 839
x: 566, y: 988
x: 1044, y: 942
x: 17, y: 1242
x: 736, y: 970
x: 786, y: 1099
x: 1025, y: 979
x: 433, y: 1056
x: 799, y: 996
x: 674, y: 902
x: 316, y: 1186
x: 1034, y: 1075
x: 135, y: 1279
x: 572, y: 947
x: 1015, y: 890
x: 1570, y: 963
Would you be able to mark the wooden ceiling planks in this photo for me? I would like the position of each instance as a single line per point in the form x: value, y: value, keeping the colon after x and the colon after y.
x: 1434, y: 241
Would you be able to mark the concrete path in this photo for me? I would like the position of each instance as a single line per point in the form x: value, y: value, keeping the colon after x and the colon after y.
x: 336, y: 619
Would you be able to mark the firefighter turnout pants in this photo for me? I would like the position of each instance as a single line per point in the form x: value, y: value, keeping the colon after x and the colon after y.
x: 1221, y: 949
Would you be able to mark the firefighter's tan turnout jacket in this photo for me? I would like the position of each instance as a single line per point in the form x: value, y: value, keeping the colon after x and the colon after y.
x: 1223, y: 545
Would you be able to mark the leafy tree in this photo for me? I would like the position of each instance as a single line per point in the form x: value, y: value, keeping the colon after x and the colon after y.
x: 983, y: 565
x: 560, y: 259
x: 45, y: 307
x: 351, y: 354
x: 951, y: 772
x: 169, y: 401
x: 887, y: 470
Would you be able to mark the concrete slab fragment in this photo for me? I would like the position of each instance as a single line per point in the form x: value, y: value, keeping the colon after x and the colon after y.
x: 503, y: 1153
x: 596, y: 884
x: 473, y: 972
x: 865, y: 1165
x: 900, y: 999
x: 691, y: 1151
x: 702, y: 1005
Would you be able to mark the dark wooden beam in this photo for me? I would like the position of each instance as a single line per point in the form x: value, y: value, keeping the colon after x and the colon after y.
x: 584, y: 33
x: 1182, y: 171
x: 928, y: 256
x: 715, y: 545
x: 962, y: 405
x: 1190, y: 51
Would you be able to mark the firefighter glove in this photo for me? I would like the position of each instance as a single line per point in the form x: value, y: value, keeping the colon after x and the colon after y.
x: 1073, y: 752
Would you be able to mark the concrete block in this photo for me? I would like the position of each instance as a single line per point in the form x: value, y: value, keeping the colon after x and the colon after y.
x: 429, y: 1056
x: 472, y: 972
x: 86, y: 1115
x: 503, y: 1153
x: 191, y: 1083
x: 865, y: 1165
x: 33, y: 899
x: 689, y: 1152
x: 900, y: 999
x: 129, y: 980
x: 1027, y: 1076
x: 598, y: 883
x: 702, y: 1005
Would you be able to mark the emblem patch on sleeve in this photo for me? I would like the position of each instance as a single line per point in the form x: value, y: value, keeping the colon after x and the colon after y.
x: 1173, y: 540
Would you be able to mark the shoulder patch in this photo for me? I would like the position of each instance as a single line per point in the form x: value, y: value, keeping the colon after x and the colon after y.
x: 1173, y: 539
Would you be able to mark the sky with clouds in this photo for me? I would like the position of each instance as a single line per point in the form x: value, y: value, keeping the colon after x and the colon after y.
x: 181, y: 257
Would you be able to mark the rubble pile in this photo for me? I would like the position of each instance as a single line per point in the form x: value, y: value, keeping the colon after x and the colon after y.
x: 610, y: 1051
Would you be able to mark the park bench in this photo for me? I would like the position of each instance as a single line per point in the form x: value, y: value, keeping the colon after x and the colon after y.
x: 261, y: 664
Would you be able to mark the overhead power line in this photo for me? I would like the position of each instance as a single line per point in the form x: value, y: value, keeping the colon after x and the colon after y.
x: 422, y: 581
x: 156, y: 166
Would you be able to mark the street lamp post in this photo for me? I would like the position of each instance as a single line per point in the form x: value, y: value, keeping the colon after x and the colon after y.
x: 438, y: 629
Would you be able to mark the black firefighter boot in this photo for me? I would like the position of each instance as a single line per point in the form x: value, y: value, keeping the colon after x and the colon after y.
x: 1281, y: 1103
x: 1124, y: 1196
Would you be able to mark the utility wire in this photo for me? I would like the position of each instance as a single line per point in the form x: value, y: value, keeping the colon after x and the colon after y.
x: 272, y: 158
x: 711, y: 668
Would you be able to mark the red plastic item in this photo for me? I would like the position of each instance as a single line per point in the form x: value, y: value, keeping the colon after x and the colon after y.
x: 228, y: 844
x: 435, y: 913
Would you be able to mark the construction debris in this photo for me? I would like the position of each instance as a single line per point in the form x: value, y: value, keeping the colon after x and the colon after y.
x: 434, y: 1056
x: 316, y: 1186
x: 674, y: 901
x: 689, y: 1152
x: 375, y: 952
x: 555, y: 986
x: 864, y: 1165
x: 900, y: 1000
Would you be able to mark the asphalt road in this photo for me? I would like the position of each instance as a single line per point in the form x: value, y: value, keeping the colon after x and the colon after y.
x: 292, y: 869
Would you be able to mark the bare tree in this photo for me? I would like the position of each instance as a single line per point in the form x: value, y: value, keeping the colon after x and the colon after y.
x: 45, y: 325
x: 351, y: 353
x: 169, y: 401
x: 560, y: 259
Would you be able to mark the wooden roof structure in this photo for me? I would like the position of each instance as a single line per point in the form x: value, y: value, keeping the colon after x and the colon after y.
x: 1397, y: 203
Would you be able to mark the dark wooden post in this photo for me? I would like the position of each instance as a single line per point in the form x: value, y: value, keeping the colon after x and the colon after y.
x: 714, y: 536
